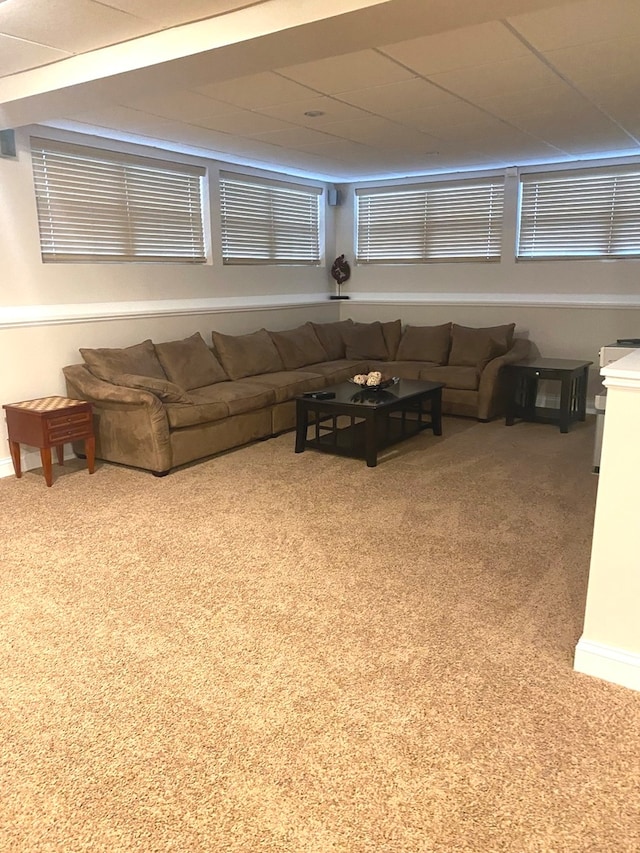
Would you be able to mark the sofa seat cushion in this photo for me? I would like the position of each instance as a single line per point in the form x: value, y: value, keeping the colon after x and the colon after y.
x: 247, y: 355
x: 181, y: 415
x: 338, y: 370
x: 289, y: 383
x: 461, y: 378
x: 242, y: 395
x: 139, y: 360
x: 401, y: 369
x: 425, y: 343
x: 331, y: 337
x: 190, y: 363
x: 298, y: 347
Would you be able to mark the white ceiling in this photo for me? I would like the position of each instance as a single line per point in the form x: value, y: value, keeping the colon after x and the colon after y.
x: 398, y: 87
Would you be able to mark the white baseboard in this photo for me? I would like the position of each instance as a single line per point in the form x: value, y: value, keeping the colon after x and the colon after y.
x: 28, y: 459
x: 609, y: 663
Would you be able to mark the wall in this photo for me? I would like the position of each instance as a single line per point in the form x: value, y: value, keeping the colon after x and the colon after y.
x: 610, y: 644
x: 48, y: 311
x: 569, y: 309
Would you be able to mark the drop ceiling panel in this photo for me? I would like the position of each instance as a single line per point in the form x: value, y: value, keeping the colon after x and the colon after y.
x: 344, y: 73
x: 333, y: 110
x: 463, y: 48
x: 391, y: 98
x: 498, y: 78
x: 380, y: 132
x: 242, y: 123
x: 578, y: 144
x: 185, y: 106
x: 80, y: 25
x: 18, y: 55
x: 487, y: 130
x: 579, y: 23
x: 257, y: 91
x: 296, y: 137
x: 170, y: 12
x: 558, y: 98
x: 452, y: 112
x: 588, y: 62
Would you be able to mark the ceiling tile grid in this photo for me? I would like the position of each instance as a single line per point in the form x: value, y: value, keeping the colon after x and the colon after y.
x: 556, y: 80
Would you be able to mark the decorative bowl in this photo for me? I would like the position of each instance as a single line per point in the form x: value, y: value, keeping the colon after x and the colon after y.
x: 385, y: 383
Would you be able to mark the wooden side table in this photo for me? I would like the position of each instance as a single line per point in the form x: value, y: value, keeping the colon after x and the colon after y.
x: 49, y: 422
x: 523, y: 377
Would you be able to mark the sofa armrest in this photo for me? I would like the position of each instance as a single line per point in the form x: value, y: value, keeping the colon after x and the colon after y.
x: 131, y: 425
x: 492, y: 390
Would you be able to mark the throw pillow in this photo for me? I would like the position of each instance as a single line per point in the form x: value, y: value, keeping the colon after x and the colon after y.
x: 425, y: 343
x: 247, y: 355
x: 365, y: 340
x: 331, y: 337
x: 190, y: 363
x: 392, y: 332
x: 140, y: 359
x: 502, y: 336
x: 167, y: 392
x: 298, y: 347
x: 473, y: 347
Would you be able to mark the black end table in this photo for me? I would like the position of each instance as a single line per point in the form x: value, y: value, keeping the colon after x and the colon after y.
x: 522, y: 381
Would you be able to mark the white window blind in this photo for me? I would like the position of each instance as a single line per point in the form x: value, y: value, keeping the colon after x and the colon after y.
x: 269, y: 222
x: 96, y: 205
x: 423, y: 223
x: 586, y: 213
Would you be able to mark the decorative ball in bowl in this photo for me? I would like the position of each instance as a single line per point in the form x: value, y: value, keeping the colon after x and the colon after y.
x: 373, y: 381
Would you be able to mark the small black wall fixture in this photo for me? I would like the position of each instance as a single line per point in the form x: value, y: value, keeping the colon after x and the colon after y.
x: 340, y: 272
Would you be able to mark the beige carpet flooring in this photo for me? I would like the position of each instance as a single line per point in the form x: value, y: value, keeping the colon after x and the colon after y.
x: 294, y: 653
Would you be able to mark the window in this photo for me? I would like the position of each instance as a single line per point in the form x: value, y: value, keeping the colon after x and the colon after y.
x: 586, y: 213
x: 423, y: 223
x: 268, y: 222
x: 96, y: 205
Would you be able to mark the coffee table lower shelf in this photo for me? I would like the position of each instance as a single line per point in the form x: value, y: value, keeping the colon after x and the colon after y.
x: 351, y: 440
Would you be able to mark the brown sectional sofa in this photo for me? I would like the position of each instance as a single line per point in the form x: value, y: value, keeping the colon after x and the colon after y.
x: 158, y: 406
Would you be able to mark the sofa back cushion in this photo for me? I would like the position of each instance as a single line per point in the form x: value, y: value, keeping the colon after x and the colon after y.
x: 166, y: 391
x: 365, y: 340
x: 107, y: 362
x: 331, y: 337
x: 392, y: 334
x: 425, y: 343
x: 474, y: 347
x: 247, y: 355
x: 190, y: 363
x: 298, y: 347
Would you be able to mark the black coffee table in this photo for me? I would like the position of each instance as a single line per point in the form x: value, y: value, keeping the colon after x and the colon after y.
x: 359, y: 423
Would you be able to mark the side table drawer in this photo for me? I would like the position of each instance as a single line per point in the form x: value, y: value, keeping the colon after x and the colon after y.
x: 539, y: 373
x: 68, y: 420
x: 69, y: 433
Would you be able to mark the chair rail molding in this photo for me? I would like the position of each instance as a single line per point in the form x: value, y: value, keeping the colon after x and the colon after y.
x: 52, y: 315
x: 527, y: 300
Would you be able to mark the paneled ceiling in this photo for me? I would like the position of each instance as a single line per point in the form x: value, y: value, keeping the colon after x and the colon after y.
x: 337, y: 89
